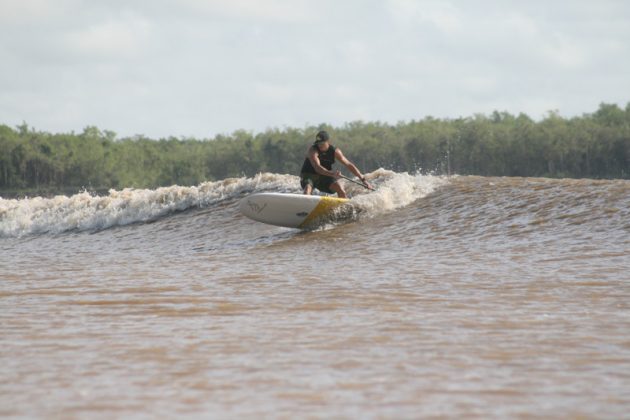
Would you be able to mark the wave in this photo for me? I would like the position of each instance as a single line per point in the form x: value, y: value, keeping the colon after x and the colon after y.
x: 459, y: 204
x: 89, y: 212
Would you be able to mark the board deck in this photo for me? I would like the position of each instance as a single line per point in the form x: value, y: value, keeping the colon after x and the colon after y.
x: 289, y: 210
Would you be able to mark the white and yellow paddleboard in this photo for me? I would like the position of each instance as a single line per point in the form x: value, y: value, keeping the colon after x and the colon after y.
x: 289, y: 210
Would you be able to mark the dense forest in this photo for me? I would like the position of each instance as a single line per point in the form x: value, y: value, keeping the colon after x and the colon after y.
x: 594, y: 145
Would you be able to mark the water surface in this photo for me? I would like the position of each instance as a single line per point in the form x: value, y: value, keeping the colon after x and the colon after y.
x: 462, y: 296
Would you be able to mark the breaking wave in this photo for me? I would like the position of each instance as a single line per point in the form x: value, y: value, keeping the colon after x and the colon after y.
x: 89, y: 212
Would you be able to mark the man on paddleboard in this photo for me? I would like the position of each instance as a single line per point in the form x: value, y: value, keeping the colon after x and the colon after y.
x: 317, y: 169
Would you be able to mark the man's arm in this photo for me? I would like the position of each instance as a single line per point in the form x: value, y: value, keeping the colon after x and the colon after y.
x: 351, y: 166
x: 312, y: 156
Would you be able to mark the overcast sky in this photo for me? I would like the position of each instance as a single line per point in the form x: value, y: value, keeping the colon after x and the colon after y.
x: 201, y: 68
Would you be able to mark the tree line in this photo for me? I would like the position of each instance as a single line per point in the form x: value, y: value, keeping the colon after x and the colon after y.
x: 595, y: 145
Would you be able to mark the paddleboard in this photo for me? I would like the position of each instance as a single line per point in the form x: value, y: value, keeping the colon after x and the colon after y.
x: 289, y: 210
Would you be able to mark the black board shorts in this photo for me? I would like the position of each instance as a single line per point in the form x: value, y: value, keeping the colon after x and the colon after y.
x: 321, y: 182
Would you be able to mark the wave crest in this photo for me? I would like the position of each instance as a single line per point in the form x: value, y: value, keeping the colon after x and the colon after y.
x: 85, y: 211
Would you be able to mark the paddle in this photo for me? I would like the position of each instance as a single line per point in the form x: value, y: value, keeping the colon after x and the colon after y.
x: 356, y: 182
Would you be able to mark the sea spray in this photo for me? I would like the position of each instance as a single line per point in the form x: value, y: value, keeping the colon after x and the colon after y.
x: 88, y: 212
x: 395, y: 190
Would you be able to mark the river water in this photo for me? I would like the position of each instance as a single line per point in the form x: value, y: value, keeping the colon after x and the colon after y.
x: 457, y: 297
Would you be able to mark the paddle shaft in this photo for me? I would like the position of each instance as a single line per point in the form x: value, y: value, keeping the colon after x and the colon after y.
x: 356, y: 182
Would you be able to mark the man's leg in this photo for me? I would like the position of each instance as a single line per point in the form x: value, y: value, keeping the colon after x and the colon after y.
x: 336, y: 187
x: 306, y: 182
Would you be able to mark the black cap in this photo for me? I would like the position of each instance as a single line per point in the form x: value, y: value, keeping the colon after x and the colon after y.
x: 321, y: 137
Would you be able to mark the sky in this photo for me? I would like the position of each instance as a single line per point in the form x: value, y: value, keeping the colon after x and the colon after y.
x: 198, y: 68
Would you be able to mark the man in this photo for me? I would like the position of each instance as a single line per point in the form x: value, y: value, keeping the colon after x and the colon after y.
x: 317, y: 169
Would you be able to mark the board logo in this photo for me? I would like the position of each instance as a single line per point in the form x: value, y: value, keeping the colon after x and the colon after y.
x: 255, y: 207
x: 302, y: 214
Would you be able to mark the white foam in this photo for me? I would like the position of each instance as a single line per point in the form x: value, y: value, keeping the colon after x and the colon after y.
x: 396, y: 190
x: 85, y: 211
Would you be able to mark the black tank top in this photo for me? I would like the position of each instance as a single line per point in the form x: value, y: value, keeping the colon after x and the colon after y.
x: 326, y: 159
